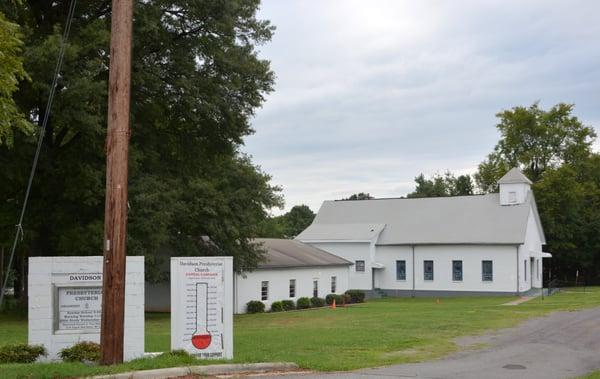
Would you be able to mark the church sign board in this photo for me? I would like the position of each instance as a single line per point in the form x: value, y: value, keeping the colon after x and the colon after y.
x: 202, y: 306
x: 65, y: 303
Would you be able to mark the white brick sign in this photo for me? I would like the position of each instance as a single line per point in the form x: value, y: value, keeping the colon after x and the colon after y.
x: 65, y: 303
x: 202, y: 306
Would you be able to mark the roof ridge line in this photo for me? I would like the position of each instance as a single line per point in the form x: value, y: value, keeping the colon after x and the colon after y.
x: 414, y: 198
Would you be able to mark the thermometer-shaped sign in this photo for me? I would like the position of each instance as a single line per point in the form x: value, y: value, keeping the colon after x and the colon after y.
x: 201, y: 338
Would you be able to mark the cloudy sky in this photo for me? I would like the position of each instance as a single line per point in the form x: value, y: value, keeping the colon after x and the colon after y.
x: 371, y: 93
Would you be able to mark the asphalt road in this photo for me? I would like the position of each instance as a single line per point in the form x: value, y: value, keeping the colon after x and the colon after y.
x: 562, y: 345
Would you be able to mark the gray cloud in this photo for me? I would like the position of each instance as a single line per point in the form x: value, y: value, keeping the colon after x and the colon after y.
x: 370, y: 94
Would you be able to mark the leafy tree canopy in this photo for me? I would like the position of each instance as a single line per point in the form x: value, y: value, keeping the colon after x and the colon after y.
x: 535, y: 140
x: 290, y: 224
x: 11, y: 72
x: 196, y: 82
x: 442, y: 185
x: 298, y: 219
x: 360, y: 196
x: 568, y: 198
x: 554, y: 149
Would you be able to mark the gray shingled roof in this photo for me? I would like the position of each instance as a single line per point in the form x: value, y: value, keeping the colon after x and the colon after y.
x: 439, y: 220
x: 282, y: 253
x: 514, y: 176
x: 345, y: 232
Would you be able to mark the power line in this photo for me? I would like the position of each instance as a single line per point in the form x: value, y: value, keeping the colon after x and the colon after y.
x: 19, y: 226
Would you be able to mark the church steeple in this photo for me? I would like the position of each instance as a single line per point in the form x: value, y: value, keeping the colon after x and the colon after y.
x: 514, y: 187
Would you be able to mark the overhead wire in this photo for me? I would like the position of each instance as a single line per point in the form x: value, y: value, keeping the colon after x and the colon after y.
x: 42, y: 131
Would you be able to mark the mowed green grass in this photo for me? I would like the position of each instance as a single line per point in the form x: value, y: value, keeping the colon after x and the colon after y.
x: 592, y: 375
x: 380, y: 332
x: 386, y: 331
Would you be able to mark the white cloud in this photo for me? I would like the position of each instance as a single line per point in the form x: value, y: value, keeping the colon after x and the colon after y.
x: 370, y: 94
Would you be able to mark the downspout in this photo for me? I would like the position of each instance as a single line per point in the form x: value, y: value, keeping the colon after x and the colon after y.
x: 372, y: 258
x: 518, y: 288
x: 413, y: 271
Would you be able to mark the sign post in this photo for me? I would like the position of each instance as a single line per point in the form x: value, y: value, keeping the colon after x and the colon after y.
x: 202, y: 306
x: 117, y: 150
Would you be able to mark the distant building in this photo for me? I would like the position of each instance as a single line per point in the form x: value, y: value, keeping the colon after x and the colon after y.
x: 291, y: 270
x: 463, y: 245
x: 477, y: 244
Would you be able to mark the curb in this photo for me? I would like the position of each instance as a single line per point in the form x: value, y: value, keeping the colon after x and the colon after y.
x: 164, y: 373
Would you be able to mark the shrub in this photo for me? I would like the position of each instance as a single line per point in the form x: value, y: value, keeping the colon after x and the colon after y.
x: 255, y: 306
x: 288, y: 305
x: 303, y: 303
x: 174, y: 357
x: 329, y: 299
x: 276, y: 306
x: 317, y: 302
x: 356, y: 296
x: 346, y: 299
x: 81, y: 352
x: 338, y: 299
x: 180, y: 353
x: 21, y: 353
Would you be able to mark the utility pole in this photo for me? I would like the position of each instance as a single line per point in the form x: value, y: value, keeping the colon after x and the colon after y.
x: 117, y: 149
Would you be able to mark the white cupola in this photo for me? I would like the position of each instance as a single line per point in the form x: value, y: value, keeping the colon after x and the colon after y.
x: 514, y: 187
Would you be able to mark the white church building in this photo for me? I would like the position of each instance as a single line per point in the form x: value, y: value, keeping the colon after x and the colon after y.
x: 291, y: 270
x: 463, y: 245
x: 480, y: 244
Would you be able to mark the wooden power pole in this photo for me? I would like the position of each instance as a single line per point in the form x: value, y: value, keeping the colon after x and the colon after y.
x: 117, y: 148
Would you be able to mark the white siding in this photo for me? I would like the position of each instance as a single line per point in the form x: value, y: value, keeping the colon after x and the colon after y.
x: 524, y: 284
x: 352, y: 251
x: 385, y: 278
x: 520, y: 191
x: 248, y: 286
x: 531, y: 249
x: 503, y: 258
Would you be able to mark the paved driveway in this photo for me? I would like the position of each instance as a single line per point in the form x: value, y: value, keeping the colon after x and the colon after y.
x: 562, y: 345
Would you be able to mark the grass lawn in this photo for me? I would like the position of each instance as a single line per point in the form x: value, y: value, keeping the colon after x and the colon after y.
x: 593, y: 375
x: 380, y: 332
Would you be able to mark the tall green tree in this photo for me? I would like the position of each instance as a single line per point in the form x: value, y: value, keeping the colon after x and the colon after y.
x: 463, y: 185
x: 554, y: 149
x: 568, y: 198
x: 298, y: 219
x: 11, y: 72
x: 535, y: 140
x: 196, y: 82
x: 288, y: 225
